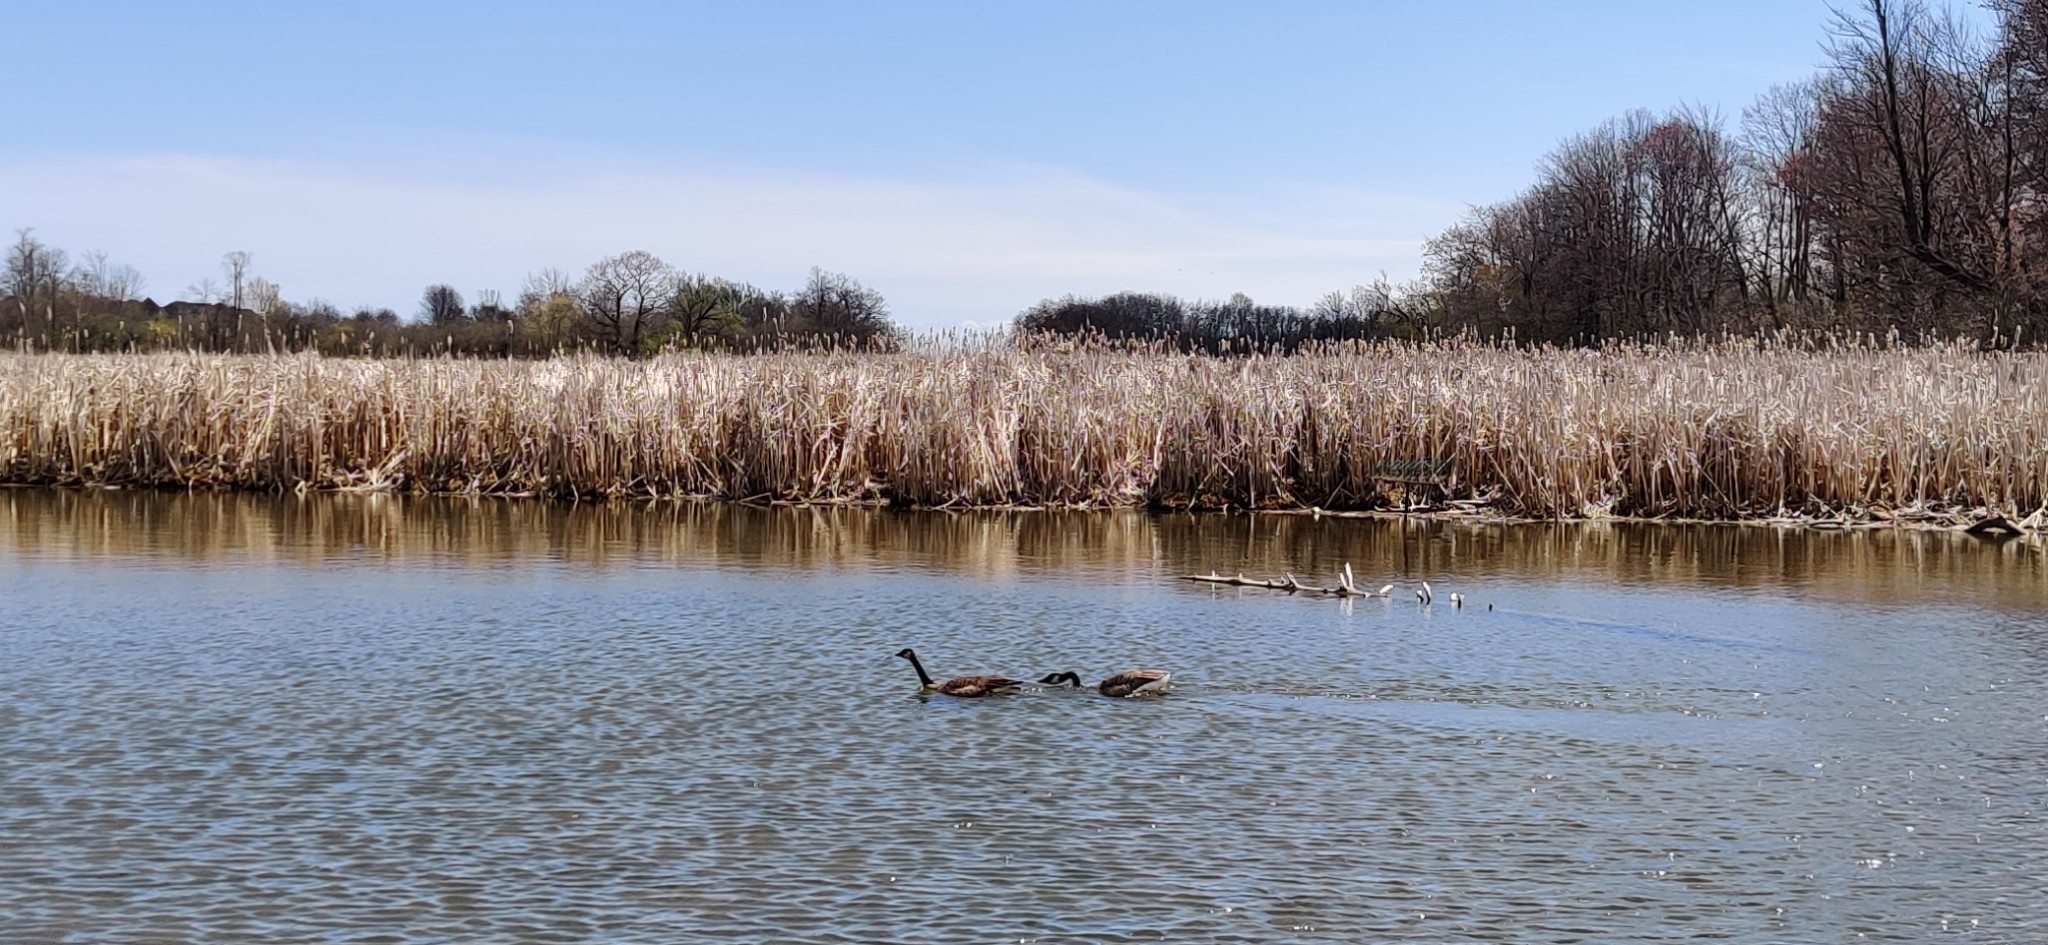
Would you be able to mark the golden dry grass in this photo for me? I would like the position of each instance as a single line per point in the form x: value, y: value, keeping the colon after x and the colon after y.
x: 1725, y: 430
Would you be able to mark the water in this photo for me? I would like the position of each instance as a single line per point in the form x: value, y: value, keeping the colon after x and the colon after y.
x: 366, y: 719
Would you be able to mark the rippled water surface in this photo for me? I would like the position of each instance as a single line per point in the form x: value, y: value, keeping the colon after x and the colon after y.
x: 359, y: 719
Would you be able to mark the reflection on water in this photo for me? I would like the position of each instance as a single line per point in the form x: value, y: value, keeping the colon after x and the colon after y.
x: 1877, y: 566
x: 236, y: 718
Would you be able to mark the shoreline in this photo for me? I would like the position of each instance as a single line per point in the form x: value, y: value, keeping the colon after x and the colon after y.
x: 1982, y: 521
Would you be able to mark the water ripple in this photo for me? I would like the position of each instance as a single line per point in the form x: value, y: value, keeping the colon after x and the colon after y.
x: 361, y: 754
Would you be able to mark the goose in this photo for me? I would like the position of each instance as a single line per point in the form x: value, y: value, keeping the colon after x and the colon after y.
x: 1136, y: 682
x: 965, y: 687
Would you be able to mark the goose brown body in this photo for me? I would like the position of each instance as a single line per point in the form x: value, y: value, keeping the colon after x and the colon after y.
x: 970, y: 687
x: 1136, y: 682
x: 962, y: 687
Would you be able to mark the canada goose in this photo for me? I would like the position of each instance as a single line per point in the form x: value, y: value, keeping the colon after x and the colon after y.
x: 965, y: 687
x: 1137, y: 682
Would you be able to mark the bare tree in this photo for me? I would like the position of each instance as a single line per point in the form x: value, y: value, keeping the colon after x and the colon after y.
x: 100, y: 278
x: 1362, y: 312
x: 1691, y: 257
x: 235, y: 266
x: 1904, y: 188
x: 550, y: 314
x: 623, y: 296
x: 34, y: 276
x: 264, y: 297
x: 1583, y: 264
x: 1895, y: 95
x: 442, y: 305
x: 489, y: 307
x: 543, y: 285
x: 2023, y: 67
x: 703, y: 309
x: 1777, y: 161
x: 2021, y: 71
x: 1634, y: 227
x: 837, y: 305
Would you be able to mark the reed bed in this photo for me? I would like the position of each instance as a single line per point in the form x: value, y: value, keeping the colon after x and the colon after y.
x: 1721, y: 431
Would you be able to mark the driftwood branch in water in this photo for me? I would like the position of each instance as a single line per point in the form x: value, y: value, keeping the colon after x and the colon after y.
x: 1994, y: 525
x: 1347, y: 585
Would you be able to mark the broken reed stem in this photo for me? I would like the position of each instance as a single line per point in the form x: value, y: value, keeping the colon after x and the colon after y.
x: 1725, y: 431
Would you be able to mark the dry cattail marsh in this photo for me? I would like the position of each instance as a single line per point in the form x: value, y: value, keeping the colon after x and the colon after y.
x: 1732, y: 430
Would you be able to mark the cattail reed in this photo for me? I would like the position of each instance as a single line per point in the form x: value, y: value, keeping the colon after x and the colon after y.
x: 1725, y: 430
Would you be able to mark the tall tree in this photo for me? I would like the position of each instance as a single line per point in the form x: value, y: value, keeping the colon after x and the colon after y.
x: 104, y: 280
x: 441, y: 305
x: 624, y: 296
x: 235, y: 266
x: 489, y: 308
x: 1777, y: 145
x: 837, y: 305
x: 1894, y: 101
x: 2021, y: 71
x: 264, y: 297
x: 34, y: 276
x: 703, y: 309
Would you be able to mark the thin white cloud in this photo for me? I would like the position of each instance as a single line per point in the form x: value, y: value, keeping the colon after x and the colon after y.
x: 975, y: 247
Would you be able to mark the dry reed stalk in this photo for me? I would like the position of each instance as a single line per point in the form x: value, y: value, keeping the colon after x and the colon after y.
x: 1729, y: 430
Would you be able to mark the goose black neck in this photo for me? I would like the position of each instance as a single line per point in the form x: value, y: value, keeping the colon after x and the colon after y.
x: 911, y: 655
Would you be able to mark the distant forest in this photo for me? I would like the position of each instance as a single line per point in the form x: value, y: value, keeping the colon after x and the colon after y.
x: 630, y: 304
x: 1900, y: 191
x: 1903, y: 189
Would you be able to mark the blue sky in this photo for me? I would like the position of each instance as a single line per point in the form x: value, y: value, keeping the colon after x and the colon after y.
x: 966, y: 159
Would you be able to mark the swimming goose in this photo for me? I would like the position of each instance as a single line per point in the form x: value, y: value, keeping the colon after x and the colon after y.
x: 965, y: 687
x: 1137, y: 682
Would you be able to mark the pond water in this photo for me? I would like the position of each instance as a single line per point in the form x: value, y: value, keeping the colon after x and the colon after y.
x: 377, y: 719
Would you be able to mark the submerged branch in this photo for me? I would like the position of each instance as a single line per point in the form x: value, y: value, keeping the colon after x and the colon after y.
x: 1346, y: 586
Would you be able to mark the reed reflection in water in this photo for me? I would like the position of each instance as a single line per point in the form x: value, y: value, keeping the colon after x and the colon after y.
x: 249, y: 718
x: 1869, y: 565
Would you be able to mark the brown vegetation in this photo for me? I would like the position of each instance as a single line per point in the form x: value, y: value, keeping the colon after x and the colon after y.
x: 1730, y: 430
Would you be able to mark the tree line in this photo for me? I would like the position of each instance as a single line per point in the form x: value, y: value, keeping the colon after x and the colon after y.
x: 1902, y: 189
x: 632, y: 304
x: 1235, y: 325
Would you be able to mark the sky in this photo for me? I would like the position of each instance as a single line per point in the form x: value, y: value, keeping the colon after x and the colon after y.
x: 967, y: 160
